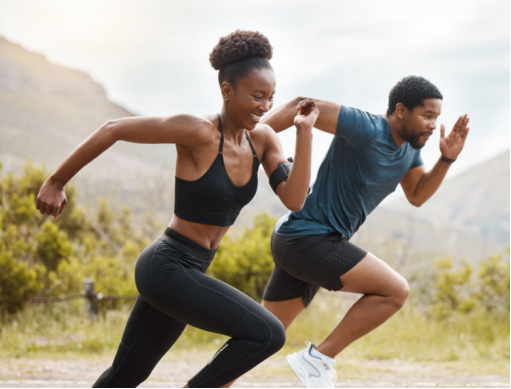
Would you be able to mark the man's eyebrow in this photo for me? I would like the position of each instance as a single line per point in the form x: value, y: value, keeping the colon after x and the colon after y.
x: 433, y: 112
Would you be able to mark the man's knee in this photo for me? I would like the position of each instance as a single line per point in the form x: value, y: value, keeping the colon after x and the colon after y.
x: 400, y: 292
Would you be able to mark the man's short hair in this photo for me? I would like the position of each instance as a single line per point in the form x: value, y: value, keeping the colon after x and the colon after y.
x: 411, y: 92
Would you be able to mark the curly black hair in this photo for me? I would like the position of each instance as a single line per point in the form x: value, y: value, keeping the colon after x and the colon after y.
x: 239, y: 53
x: 411, y: 92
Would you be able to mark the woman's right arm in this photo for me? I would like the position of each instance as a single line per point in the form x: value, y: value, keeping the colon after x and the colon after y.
x: 187, y: 130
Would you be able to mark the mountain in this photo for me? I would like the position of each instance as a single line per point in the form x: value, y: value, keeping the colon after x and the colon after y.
x: 46, y: 110
x: 476, y: 201
x: 467, y: 217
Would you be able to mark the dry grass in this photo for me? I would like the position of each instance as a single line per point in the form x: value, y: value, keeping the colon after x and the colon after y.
x: 474, y: 342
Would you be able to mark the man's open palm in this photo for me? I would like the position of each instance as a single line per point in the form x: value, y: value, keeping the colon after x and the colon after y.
x: 451, y: 146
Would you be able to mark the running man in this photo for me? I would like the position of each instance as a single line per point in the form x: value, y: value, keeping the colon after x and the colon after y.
x: 368, y: 157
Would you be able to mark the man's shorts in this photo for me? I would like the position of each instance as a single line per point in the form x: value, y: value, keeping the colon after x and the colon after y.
x: 306, y: 262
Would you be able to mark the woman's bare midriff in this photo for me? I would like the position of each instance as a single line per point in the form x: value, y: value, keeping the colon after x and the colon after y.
x: 205, y: 235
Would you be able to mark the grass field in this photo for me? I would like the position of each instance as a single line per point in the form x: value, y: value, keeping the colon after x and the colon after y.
x: 478, y: 342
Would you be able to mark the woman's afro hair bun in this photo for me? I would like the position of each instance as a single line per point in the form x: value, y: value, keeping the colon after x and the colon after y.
x: 239, y: 45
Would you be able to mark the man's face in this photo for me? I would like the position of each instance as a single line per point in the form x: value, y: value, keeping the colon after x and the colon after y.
x: 420, y: 122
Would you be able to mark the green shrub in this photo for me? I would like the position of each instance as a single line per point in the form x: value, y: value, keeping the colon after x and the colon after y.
x: 41, y: 256
x: 246, y: 262
x: 493, y: 291
x: 459, y: 289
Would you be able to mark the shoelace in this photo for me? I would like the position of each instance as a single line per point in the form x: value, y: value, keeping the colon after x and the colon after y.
x: 332, y: 374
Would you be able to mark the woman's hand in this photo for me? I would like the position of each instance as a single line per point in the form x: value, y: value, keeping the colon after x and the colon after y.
x: 308, y: 112
x: 51, y: 199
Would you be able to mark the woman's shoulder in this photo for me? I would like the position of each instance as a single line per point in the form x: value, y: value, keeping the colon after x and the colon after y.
x: 263, y: 133
x: 204, y: 127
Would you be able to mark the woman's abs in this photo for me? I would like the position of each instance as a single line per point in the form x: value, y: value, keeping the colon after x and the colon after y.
x: 205, y: 235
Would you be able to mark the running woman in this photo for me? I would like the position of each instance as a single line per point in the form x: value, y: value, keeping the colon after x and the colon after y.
x: 368, y: 157
x: 216, y: 175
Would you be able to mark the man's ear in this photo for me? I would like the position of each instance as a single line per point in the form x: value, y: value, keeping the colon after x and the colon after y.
x: 401, y: 111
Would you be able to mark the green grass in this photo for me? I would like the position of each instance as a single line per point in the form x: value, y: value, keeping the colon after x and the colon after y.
x: 473, y: 341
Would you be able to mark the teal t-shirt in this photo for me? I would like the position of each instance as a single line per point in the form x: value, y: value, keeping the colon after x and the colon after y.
x: 362, y: 166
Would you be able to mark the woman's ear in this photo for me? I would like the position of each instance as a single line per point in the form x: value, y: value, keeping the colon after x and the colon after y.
x: 226, y: 89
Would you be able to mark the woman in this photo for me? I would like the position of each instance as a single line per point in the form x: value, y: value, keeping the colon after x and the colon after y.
x: 216, y: 175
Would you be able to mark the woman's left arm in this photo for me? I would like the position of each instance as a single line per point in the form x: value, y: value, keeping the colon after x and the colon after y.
x: 293, y: 191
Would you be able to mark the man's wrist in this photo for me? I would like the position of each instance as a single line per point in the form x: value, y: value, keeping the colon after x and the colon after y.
x: 447, y: 160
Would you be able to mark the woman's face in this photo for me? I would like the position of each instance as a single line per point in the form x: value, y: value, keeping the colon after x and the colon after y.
x: 251, y: 98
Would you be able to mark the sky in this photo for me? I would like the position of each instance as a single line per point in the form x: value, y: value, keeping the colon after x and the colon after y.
x: 152, y: 56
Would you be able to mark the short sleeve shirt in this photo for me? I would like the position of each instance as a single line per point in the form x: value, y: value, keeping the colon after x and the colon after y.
x: 362, y: 166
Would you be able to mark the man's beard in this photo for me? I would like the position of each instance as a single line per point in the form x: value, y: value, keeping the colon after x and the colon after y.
x: 414, y: 140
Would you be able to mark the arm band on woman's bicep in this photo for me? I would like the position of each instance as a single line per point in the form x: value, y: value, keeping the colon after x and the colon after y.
x: 281, y: 173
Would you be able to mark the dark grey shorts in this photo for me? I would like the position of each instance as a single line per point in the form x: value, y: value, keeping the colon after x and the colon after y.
x: 306, y: 262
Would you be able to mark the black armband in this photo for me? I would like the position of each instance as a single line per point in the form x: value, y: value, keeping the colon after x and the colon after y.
x: 280, y: 174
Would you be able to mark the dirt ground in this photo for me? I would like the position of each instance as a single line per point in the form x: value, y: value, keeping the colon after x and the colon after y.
x: 176, y: 369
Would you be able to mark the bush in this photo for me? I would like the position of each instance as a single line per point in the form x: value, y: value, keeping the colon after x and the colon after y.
x: 246, y: 262
x: 493, y: 293
x: 41, y: 256
x: 18, y: 279
x: 458, y: 290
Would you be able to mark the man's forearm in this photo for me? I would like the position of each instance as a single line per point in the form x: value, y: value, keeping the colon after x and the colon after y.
x: 430, y: 182
x: 282, y: 117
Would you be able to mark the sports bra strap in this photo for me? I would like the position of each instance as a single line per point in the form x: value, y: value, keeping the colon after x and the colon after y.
x: 221, y: 150
x: 222, y: 137
x: 250, y: 143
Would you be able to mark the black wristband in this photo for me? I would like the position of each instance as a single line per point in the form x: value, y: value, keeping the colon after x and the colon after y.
x: 447, y: 160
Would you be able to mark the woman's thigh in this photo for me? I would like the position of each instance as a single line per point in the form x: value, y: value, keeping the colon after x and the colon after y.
x: 212, y: 305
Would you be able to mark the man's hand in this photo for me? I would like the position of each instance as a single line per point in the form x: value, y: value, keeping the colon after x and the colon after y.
x: 451, y: 146
x: 308, y: 112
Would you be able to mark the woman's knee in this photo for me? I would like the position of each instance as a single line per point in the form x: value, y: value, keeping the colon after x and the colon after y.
x: 277, y: 337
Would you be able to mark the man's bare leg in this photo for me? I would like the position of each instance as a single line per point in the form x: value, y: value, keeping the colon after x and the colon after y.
x: 384, y: 293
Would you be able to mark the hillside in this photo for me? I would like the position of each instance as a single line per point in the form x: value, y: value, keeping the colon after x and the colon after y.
x: 46, y: 110
x: 468, y: 216
x: 476, y: 201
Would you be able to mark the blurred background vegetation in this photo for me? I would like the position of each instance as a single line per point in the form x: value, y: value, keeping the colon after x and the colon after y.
x: 457, y: 310
x: 452, y: 250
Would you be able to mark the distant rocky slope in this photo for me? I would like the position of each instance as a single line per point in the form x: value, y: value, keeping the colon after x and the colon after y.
x: 46, y: 110
x: 476, y: 201
x: 467, y: 216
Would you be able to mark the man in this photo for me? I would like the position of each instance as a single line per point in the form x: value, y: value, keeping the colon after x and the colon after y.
x: 368, y: 157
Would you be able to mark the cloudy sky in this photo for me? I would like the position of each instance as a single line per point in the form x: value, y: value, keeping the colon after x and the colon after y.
x: 152, y: 56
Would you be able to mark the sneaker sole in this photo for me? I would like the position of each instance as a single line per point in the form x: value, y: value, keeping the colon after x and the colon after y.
x: 299, y: 371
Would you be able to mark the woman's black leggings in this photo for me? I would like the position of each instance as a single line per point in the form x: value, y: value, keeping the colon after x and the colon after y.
x: 174, y: 292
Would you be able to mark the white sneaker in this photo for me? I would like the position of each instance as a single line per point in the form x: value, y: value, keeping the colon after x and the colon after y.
x: 312, y: 372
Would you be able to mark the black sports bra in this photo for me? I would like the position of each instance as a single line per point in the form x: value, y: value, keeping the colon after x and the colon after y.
x: 213, y: 199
